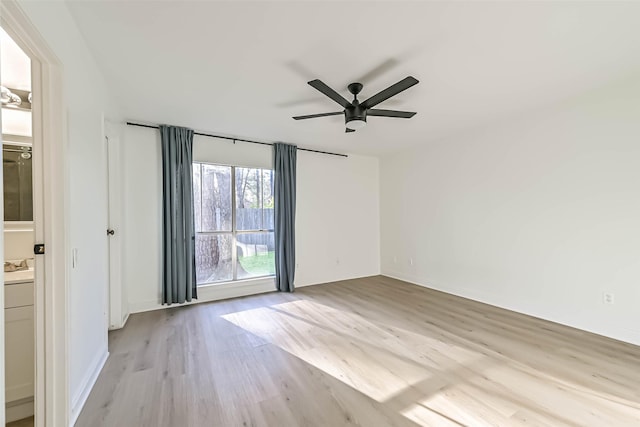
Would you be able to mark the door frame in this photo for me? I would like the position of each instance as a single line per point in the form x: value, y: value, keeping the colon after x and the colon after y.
x: 118, y: 309
x: 51, y: 223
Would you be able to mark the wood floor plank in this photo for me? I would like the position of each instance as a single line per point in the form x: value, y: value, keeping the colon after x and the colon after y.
x: 365, y: 352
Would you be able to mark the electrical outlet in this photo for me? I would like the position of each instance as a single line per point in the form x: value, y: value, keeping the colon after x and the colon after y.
x: 410, y: 261
x: 608, y: 298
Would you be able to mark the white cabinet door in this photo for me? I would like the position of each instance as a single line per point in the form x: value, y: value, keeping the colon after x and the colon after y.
x: 19, y: 352
x: 18, y: 295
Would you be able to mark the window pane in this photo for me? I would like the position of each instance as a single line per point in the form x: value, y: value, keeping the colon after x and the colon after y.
x: 197, y: 196
x: 256, y: 254
x: 213, y: 258
x: 248, y: 199
x: 267, y: 199
x: 216, y: 198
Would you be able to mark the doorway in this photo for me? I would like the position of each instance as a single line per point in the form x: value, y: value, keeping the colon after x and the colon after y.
x: 46, y: 320
x: 19, y: 233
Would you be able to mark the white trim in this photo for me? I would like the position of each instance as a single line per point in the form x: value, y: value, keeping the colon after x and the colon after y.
x: 122, y: 323
x: 19, y: 230
x: 220, y: 291
x: 26, y: 141
x: 18, y: 226
x: 2, y: 320
x: 20, y: 409
x: 115, y: 296
x: 50, y: 196
x: 126, y: 317
x: 213, y: 293
x: 87, y: 384
x: 296, y: 285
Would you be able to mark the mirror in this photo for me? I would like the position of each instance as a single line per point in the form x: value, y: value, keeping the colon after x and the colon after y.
x: 18, y: 186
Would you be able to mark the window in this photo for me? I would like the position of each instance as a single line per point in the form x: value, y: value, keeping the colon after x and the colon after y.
x: 233, y: 210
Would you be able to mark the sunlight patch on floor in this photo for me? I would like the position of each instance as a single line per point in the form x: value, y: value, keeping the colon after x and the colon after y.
x: 339, y: 346
x: 424, y: 416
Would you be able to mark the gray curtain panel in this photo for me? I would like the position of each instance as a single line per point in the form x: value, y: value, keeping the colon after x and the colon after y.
x: 178, y: 233
x: 284, y: 165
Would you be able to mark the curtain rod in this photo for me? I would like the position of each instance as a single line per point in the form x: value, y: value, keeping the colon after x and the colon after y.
x: 210, y: 135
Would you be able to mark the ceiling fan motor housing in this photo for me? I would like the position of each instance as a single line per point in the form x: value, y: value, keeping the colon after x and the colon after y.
x: 355, y: 112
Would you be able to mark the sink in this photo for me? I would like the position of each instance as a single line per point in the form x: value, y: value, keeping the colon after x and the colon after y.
x: 13, y: 277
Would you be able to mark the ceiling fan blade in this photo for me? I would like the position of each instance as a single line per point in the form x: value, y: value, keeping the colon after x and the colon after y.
x: 317, y: 84
x: 313, y: 116
x: 347, y: 130
x: 392, y: 90
x: 390, y: 113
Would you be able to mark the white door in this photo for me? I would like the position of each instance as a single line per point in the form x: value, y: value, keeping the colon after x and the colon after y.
x: 117, y: 298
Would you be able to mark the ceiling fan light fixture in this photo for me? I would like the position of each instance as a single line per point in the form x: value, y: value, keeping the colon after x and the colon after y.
x: 356, y: 124
x: 9, y: 98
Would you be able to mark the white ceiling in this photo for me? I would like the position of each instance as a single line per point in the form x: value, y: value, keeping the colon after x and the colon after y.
x: 240, y: 68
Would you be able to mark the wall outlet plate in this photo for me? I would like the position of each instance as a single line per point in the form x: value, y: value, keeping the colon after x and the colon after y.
x: 608, y: 298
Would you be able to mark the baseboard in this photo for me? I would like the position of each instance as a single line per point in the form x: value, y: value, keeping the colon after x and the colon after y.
x: 225, y: 291
x: 126, y: 317
x: 614, y: 331
x: 19, y: 409
x: 335, y: 280
x: 78, y: 401
x: 121, y: 325
x: 146, y: 305
x: 213, y: 293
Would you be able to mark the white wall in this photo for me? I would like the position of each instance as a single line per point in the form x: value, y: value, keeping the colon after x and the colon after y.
x: 86, y: 98
x: 18, y: 242
x: 142, y: 227
x: 16, y: 122
x: 337, y: 218
x: 540, y: 215
x: 337, y: 215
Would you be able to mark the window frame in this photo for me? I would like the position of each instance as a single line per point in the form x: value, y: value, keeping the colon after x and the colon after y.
x: 234, y: 231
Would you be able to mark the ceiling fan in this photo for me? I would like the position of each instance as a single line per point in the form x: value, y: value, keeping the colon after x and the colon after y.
x: 355, y: 112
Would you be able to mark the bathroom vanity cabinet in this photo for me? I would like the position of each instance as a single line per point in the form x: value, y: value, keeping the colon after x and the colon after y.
x: 19, y: 347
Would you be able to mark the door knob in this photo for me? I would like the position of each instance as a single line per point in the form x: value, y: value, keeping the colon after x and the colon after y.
x: 111, y: 232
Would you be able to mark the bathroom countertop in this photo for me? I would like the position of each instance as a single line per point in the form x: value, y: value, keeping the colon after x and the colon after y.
x: 13, y: 277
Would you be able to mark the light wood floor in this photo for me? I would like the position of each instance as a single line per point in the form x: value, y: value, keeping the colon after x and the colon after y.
x: 365, y: 352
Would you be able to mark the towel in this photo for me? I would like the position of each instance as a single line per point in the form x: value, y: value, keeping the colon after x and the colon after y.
x: 12, y: 266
